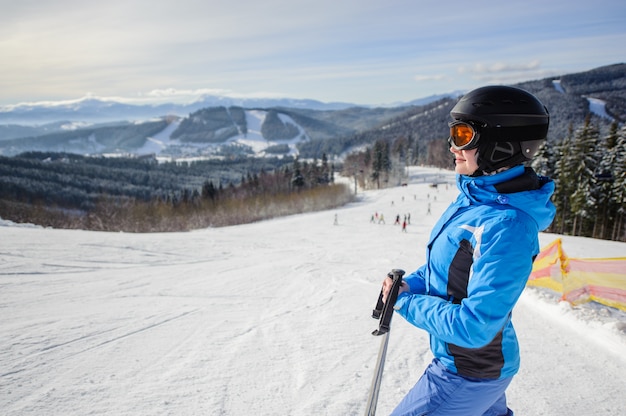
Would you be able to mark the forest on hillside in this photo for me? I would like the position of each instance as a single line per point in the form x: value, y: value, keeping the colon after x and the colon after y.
x: 143, y: 195
x: 566, y: 97
x: 588, y: 167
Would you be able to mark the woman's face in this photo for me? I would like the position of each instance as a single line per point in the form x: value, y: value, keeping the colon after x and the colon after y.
x: 465, y: 161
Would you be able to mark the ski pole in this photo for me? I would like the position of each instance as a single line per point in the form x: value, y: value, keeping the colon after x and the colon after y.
x: 383, y: 312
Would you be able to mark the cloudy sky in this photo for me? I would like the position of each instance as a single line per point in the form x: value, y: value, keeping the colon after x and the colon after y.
x: 359, y: 51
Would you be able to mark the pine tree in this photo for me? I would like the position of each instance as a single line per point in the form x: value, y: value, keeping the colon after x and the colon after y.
x: 209, y: 191
x: 564, y: 171
x: 583, y: 200
x: 544, y: 163
x: 324, y: 176
x: 619, y: 187
x: 381, y: 162
x: 297, y: 179
x: 606, y: 208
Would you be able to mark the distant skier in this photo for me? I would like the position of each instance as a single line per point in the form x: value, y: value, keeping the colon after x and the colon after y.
x: 479, y: 255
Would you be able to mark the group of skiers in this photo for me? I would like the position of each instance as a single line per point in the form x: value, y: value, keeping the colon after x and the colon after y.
x: 380, y: 219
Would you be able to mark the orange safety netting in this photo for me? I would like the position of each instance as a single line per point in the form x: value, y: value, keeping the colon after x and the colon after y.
x: 581, y: 280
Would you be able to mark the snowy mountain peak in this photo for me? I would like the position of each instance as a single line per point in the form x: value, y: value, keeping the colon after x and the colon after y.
x: 99, y: 110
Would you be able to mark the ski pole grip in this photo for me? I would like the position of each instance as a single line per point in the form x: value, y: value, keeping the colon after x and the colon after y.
x: 385, y: 310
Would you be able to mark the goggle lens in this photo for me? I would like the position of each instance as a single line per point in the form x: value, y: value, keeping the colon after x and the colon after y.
x: 462, y: 135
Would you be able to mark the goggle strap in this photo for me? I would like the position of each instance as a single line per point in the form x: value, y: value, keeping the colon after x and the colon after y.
x: 515, y: 134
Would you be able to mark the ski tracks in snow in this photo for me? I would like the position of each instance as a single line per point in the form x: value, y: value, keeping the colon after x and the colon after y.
x: 266, y: 318
x: 77, y: 365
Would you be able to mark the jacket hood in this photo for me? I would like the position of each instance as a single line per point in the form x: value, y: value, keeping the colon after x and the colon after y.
x: 534, y: 200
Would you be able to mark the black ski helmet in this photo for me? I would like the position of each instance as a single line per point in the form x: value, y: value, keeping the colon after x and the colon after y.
x: 512, y: 124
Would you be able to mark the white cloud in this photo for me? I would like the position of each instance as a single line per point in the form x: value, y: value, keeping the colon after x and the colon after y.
x: 358, y: 51
x: 499, y: 67
x: 425, y: 78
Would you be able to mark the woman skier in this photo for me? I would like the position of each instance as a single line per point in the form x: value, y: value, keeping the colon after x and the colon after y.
x: 479, y: 256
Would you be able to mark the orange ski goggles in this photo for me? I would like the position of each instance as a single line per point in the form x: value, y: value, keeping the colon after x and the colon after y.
x: 463, y: 135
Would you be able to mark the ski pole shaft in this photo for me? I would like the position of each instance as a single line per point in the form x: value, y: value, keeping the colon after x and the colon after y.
x: 383, y: 312
x: 372, y: 399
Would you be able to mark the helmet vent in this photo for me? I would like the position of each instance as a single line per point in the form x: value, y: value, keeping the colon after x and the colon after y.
x: 502, y: 151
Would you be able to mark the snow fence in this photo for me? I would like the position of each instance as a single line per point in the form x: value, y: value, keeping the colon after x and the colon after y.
x: 581, y: 280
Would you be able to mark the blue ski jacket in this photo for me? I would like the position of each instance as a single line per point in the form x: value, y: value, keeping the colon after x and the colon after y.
x: 478, y: 260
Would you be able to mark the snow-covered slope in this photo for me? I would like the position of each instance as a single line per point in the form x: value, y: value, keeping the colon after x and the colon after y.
x: 162, y: 143
x: 266, y: 319
x: 165, y: 143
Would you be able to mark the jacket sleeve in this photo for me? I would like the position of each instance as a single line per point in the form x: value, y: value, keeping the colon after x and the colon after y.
x: 416, y: 281
x: 498, y: 278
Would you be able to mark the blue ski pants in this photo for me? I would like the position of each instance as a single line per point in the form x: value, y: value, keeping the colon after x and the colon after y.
x: 442, y: 393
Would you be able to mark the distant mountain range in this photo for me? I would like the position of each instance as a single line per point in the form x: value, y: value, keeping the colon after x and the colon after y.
x: 93, y: 110
x: 225, y: 126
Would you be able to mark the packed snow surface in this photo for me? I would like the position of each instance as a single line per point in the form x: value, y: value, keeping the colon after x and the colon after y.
x: 598, y: 107
x: 271, y: 318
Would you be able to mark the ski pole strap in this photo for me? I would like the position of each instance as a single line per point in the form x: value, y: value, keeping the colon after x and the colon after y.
x: 378, y: 310
x: 384, y: 311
